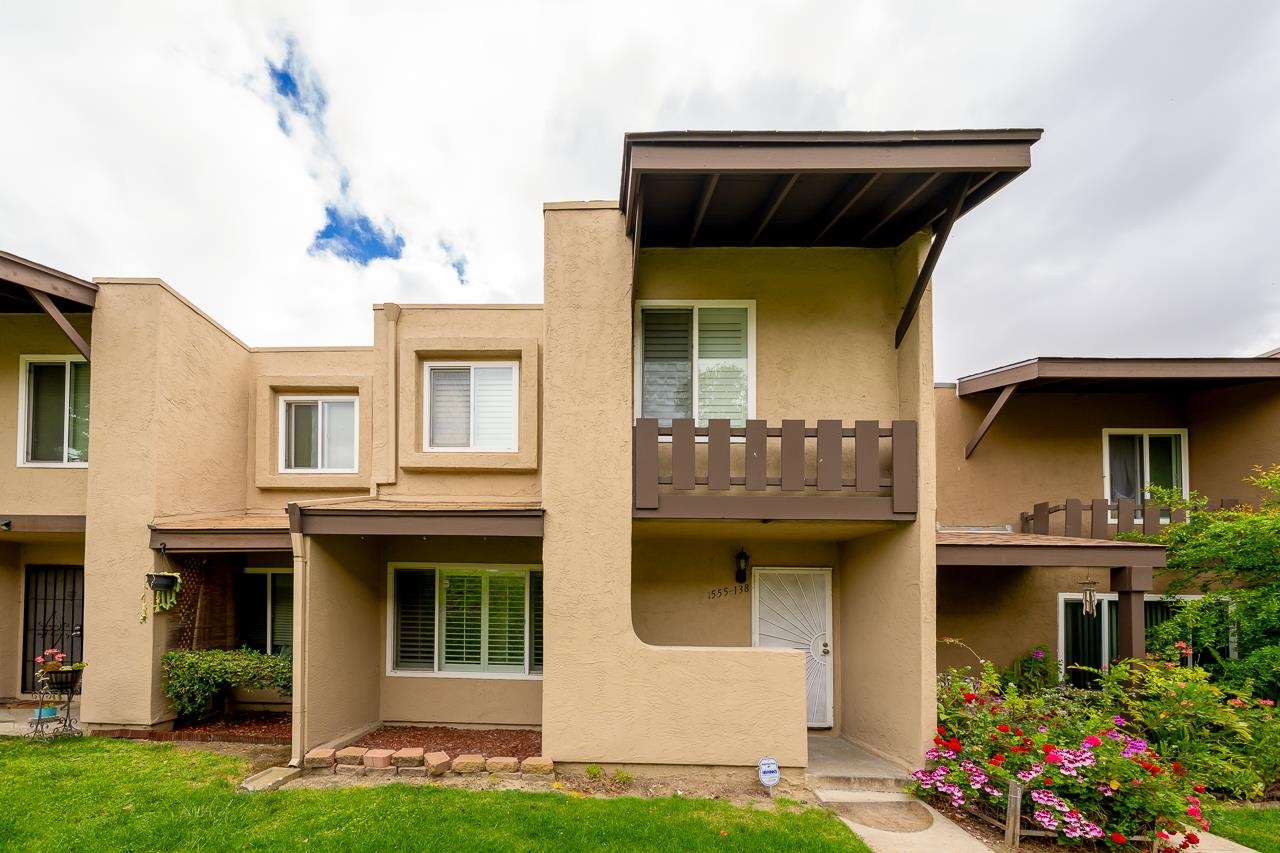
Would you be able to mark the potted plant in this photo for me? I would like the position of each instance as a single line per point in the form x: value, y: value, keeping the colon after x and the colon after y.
x: 55, y: 675
x: 164, y: 588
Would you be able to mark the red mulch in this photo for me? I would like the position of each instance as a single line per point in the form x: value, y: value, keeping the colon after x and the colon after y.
x: 257, y: 727
x: 491, y: 743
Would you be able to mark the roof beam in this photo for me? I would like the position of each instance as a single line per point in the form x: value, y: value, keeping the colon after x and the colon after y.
x: 704, y: 201
x: 33, y: 276
x: 989, y: 419
x: 779, y: 195
x: 931, y: 261
x: 43, y: 300
x: 844, y: 208
x: 924, y: 185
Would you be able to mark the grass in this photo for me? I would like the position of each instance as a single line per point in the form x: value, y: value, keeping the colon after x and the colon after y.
x: 99, y: 794
x: 1256, y: 828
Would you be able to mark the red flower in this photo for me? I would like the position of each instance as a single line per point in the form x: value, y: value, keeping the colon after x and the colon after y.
x: 1018, y: 732
x: 969, y: 697
x: 954, y: 745
x: 1117, y: 838
x: 1048, y: 747
x: 1002, y: 728
x: 1053, y: 758
x: 1199, y: 789
x: 1048, y: 781
x: 1193, y: 838
x: 997, y: 759
x: 1020, y: 748
x: 941, y: 730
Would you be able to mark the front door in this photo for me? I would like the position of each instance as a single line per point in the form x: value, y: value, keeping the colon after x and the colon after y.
x: 52, y: 613
x: 791, y: 609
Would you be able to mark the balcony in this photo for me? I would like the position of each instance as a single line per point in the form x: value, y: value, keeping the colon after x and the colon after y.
x: 826, y: 472
x: 1106, y: 518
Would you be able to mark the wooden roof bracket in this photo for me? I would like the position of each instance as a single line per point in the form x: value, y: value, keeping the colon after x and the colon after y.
x: 42, y: 299
x: 931, y: 260
x: 1005, y: 393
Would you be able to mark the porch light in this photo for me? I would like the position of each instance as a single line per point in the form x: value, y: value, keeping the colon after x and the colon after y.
x: 742, y: 562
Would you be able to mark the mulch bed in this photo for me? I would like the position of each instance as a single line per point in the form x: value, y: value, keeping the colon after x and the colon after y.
x: 261, y: 727
x: 491, y: 743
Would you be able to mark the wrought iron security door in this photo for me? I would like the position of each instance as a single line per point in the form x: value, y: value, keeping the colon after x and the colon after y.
x: 52, y: 613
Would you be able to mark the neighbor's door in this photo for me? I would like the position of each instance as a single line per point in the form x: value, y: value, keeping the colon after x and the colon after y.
x: 52, y: 613
x: 791, y: 609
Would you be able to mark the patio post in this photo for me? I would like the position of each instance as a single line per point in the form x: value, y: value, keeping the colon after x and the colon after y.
x: 1131, y: 584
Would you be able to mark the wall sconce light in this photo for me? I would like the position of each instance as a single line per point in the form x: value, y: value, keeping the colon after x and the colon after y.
x: 6, y: 525
x: 742, y: 562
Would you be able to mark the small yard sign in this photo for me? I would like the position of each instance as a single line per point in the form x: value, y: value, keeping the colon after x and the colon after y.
x: 769, y: 774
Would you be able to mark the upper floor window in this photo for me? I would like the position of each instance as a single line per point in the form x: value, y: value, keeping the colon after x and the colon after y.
x: 695, y: 360
x: 54, y: 418
x: 471, y: 406
x: 319, y: 434
x: 1134, y: 458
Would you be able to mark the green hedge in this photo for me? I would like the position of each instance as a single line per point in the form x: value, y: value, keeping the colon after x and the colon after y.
x: 192, y: 678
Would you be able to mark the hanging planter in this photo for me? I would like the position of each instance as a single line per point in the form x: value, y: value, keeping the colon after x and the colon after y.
x: 164, y: 588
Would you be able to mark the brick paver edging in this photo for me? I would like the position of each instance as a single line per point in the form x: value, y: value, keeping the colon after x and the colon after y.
x: 198, y: 737
x: 413, y: 761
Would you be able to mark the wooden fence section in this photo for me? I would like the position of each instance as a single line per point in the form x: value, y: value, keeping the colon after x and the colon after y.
x: 792, y: 470
x: 1124, y: 516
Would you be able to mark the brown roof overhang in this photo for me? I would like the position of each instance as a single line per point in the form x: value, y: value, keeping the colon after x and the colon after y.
x: 224, y: 532
x: 1112, y: 375
x: 870, y: 189
x: 1029, y: 549
x: 10, y: 523
x: 19, y: 277
x: 340, y: 519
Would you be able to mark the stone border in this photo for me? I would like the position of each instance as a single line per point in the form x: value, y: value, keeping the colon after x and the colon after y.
x: 415, y: 761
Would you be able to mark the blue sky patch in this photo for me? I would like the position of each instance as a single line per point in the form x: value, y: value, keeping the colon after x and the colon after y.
x: 352, y: 236
x: 457, y: 260
x: 297, y: 86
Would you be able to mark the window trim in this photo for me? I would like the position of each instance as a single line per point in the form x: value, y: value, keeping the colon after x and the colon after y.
x: 270, y: 595
x: 1104, y: 616
x: 24, y: 363
x: 282, y: 426
x: 509, y: 569
x: 471, y: 365
x: 1146, y: 433
x: 637, y: 344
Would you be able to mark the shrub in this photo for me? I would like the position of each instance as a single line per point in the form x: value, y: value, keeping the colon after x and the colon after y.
x: 191, y: 679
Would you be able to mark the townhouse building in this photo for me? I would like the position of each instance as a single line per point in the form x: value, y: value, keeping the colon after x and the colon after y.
x: 682, y: 512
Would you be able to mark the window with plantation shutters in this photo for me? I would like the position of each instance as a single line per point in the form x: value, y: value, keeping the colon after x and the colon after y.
x: 55, y: 410
x: 466, y: 620
x: 471, y: 406
x: 695, y: 361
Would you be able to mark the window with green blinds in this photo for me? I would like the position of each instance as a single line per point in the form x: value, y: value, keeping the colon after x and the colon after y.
x: 695, y: 363
x: 488, y: 620
x: 56, y: 405
x: 1084, y: 637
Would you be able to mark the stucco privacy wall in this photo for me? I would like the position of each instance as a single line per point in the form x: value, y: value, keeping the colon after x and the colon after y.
x: 824, y: 322
x: 888, y: 595
x: 1042, y: 447
x: 336, y: 670
x: 10, y: 619
x: 34, y: 491
x: 607, y: 695
x: 170, y: 407
x: 1232, y: 430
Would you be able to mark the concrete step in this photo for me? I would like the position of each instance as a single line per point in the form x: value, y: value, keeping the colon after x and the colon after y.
x: 877, y: 784
x: 22, y: 715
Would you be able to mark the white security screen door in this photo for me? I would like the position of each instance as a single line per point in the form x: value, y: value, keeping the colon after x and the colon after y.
x: 791, y: 609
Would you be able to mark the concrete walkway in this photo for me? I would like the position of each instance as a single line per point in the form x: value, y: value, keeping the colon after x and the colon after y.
x: 898, y: 823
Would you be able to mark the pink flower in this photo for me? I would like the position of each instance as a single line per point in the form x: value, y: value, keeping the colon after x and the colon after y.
x: 40, y: 660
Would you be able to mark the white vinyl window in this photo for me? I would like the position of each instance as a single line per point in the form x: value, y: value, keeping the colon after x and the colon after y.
x: 319, y: 434
x: 695, y: 360
x: 53, y: 417
x: 1132, y: 459
x: 471, y: 406
x: 264, y: 611
x: 469, y: 620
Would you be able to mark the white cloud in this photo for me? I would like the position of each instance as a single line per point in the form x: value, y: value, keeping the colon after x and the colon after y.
x: 148, y: 145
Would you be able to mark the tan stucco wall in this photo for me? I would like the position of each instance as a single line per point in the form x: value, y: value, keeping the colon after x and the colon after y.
x: 168, y: 434
x: 337, y: 602
x: 1042, y: 447
x: 10, y: 619
x: 34, y: 491
x: 607, y: 696
x: 1233, y: 429
x: 824, y: 322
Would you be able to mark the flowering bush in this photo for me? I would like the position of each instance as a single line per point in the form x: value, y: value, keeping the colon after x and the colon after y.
x: 1088, y: 773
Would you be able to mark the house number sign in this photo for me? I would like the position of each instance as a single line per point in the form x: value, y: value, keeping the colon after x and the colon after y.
x: 729, y: 591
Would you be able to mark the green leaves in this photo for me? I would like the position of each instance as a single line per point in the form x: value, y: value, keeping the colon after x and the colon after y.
x: 191, y: 679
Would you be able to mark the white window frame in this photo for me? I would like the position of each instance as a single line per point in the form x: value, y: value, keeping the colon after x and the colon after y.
x: 24, y: 364
x: 283, y: 429
x: 1103, y: 614
x: 270, y: 602
x: 1146, y: 433
x: 695, y: 304
x: 427, y: 367
x: 441, y: 569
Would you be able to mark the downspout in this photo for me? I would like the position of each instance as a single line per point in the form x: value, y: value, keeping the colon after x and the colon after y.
x: 300, y: 647
x: 387, y: 475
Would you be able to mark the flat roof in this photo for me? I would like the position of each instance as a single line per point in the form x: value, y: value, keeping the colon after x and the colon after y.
x: 1053, y: 374
x: 961, y: 548
x: 809, y: 188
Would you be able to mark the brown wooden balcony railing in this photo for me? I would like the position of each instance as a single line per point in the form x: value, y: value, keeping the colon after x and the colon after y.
x: 828, y: 471
x: 1106, y: 518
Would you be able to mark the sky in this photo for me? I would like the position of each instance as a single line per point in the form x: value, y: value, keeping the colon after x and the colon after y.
x: 287, y: 165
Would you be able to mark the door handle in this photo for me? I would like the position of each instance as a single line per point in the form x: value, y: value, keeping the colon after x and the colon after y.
x: 826, y: 649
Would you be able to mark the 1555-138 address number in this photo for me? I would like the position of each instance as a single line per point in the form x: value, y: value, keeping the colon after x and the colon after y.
x: 736, y: 589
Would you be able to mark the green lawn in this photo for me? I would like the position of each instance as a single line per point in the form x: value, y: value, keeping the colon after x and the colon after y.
x: 98, y: 794
x: 1257, y: 828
